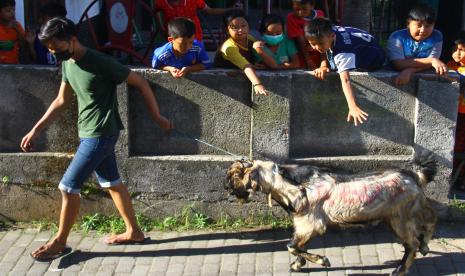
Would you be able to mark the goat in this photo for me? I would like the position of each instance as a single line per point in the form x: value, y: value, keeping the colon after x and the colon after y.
x: 317, y: 198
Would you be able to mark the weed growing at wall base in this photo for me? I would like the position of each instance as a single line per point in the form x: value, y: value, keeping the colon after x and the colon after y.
x: 188, y: 219
x: 458, y: 204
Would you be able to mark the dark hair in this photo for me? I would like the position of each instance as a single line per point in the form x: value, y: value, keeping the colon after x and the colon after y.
x: 269, y: 19
x: 181, y: 27
x: 58, y: 28
x: 422, y: 13
x: 318, y: 27
x: 53, y: 10
x: 231, y: 15
x: 7, y: 3
x: 304, y: 2
x: 459, y: 38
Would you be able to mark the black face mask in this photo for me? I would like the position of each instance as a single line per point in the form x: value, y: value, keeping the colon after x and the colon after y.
x: 62, y: 56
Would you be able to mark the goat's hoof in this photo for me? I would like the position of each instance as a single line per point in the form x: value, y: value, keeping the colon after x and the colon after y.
x: 295, y: 266
x: 424, y: 249
x: 325, y: 262
x: 397, y: 272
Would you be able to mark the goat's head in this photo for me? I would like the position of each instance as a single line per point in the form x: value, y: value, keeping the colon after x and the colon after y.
x: 240, y: 179
x: 243, y: 177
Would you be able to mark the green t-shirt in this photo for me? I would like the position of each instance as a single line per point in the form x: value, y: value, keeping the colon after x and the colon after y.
x: 286, y: 49
x: 94, y: 79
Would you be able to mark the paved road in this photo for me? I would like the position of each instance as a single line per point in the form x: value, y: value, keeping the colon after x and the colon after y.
x: 250, y: 252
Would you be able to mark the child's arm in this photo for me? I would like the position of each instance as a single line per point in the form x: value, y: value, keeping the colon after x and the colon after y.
x: 294, y: 64
x: 26, y: 40
x: 321, y: 72
x: 354, y: 111
x: 173, y: 70
x: 303, y: 48
x: 193, y: 68
x: 267, y: 59
x: 256, y: 84
x: 421, y: 64
x: 145, y: 90
x: 217, y: 11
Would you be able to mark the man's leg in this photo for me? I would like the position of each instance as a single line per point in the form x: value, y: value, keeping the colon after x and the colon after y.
x: 69, y: 211
x: 120, y: 195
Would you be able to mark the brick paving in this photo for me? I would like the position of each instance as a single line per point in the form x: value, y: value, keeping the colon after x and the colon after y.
x: 249, y: 252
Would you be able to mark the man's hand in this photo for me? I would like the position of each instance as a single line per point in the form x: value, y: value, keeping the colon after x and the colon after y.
x: 439, y: 66
x: 357, y: 114
x: 320, y: 73
x: 27, y: 143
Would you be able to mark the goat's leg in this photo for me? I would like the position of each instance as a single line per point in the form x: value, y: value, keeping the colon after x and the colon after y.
x: 297, y: 248
x: 428, y: 220
x: 406, y: 231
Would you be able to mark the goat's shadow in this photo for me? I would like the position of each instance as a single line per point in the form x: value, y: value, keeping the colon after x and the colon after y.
x: 269, y: 241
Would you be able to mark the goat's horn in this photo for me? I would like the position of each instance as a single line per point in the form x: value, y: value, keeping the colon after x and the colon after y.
x: 247, y: 164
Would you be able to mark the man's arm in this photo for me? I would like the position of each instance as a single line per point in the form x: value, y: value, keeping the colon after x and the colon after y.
x: 56, y: 107
x: 145, y: 90
x: 354, y: 111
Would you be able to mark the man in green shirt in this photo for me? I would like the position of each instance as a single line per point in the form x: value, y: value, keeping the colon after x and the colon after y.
x: 92, y: 77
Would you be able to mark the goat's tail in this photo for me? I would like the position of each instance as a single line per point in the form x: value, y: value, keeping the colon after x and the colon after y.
x: 427, y: 169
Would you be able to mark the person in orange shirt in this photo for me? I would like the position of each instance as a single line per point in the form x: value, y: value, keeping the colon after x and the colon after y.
x: 11, y: 34
x: 458, y: 64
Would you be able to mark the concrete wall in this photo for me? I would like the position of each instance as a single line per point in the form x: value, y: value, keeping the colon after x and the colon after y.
x: 303, y: 120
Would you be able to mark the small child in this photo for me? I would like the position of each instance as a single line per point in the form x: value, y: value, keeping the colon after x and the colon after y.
x: 458, y: 64
x: 418, y: 47
x: 183, y: 53
x: 303, y: 13
x: 184, y: 8
x: 276, y: 51
x: 12, y: 35
x: 237, y: 51
x: 347, y: 49
x: 46, y: 12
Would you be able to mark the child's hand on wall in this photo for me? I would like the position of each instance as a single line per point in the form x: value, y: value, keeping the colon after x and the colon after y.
x: 357, y: 114
x: 259, y: 89
x: 439, y: 66
x: 403, y: 77
x: 320, y: 73
x: 174, y: 72
x: 183, y: 72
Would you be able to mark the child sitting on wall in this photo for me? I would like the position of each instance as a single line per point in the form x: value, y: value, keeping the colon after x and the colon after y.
x: 183, y: 53
x: 418, y: 47
x: 237, y: 51
x: 347, y: 49
x: 275, y: 50
x: 458, y: 64
x: 303, y: 12
x: 12, y: 35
